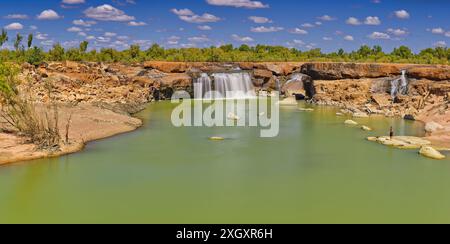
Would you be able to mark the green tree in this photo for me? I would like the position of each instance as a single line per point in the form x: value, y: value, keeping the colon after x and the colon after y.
x: 3, y: 37
x: 83, y: 46
x: 135, y: 50
x: 403, y: 52
x: 35, y: 56
x: 30, y: 40
x: 18, y: 41
x: 57, y: 53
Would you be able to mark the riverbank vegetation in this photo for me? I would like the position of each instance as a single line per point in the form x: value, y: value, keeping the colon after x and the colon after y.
x: 26, y: 52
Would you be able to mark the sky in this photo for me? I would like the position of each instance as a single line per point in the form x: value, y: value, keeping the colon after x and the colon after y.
x: 328, y: 25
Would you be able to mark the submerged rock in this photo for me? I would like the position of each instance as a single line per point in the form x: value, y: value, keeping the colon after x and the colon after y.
x: 366, y: 128
x: 290, y: 101
x: 232, y: 116
x: 350, y: 122
x: 339, y: 114
x: 360, y: 115
x: 306, y: 109
x: 430, y: 152
x: 216, y: 138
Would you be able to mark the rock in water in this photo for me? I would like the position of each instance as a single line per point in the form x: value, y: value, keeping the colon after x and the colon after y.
x: 350, y: 122
x: 232, y: 116
x: 339, y: 114
x: 216, y: 138
x: 290, y: 101
x: 430, y: 152
x: 360, y: 115
x: 306, y: 109
x: 433, y: 127
x: 366, y: 128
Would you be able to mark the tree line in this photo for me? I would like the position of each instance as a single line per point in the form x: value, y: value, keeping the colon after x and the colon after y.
x: 26, y: 52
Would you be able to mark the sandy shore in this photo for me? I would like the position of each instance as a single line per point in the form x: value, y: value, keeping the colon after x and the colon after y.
x: 89, y: 123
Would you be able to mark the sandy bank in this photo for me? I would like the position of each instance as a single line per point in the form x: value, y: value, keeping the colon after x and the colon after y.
x: 89, y: 123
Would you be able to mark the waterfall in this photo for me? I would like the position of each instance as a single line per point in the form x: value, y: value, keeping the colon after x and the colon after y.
x: 234, y: 85
x: 296, y: 77
x: 399, y: 86
x: 203, y: 87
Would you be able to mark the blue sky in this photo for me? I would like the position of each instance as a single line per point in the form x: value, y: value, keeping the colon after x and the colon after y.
x: 328, y: 25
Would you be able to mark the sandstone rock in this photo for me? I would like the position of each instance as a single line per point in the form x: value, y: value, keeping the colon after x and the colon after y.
x: 431, y: 127
x: 381, y: 99
x: 290, y: 101
x: 263, y: 74
x: 430, y: 152
x: 167, y: 67
x: 430, y: 72
x: 306, y: 109
x: 350, y: 122
x: 366, y: 128
x: 232, y: 116
x: 216, y: 138
x: 360, y: 115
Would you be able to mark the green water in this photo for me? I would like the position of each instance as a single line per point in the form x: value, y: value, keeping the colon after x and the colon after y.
x: 316, y: 171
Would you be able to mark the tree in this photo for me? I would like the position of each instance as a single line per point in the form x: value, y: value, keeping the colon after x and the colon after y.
x: 244, y: 48
x: 84, y: 46
x: 135, y: 51
x: 403, y: 52
x: 3, y: 37
x: 56, y: 53
x: 30, y: 40
x: 18, y: 41
x: 35, y: 56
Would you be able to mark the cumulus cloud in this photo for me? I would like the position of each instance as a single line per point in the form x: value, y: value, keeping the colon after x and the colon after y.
x: 173, y: 40
x: 402, y: 14
x: 14, y: 26
x: 84, y: 23
x: 438, y: 30
x: 440, y: 44
x: 107, y: 12
x: 73, y: 1
x: 298, y: 31
x: 205, y: 18
x: 326, y: 18
x: 353, y: 21
x: 308, y: 25
x: 327, y: 38
x: 447, y: 34
x: 242, y: 38
x: 204, y: 27
x: 372, y: 20
x: 263, y: 29
x: 110, y: 34
x: 16, y: 16
x: 74, y: 29
x: 348, y: 38
x: 134, y: 23
x: 260, y: 20
x: 41, y: 36
x: 379, y: 35
x: 397, y: 32
x: 48, y: 14
x: 201, y: 38
x: 185, y: 12
x: 238, y: 3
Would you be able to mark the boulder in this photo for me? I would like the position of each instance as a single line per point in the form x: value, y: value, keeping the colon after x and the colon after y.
x: 306, y: 109
x: 167, y: 67
x: 290, y: 101
x: 429, y: 72
x: 216, y: 138
x: 381, y: 100
x: 430, y: 152
x: 262, y: 74
x: 366, y: 128
x: 360, y: 115
x: 350, y: 122
x: 409, y: 117
x: 432, y: 127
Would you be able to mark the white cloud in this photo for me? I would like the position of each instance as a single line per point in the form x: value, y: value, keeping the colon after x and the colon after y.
x: 307, y: 25
x: 327, y: 38
x: 41, y: 36
x: 372, y: 20
x: 201, y: 38
x: 73, y: 1
x: 397, y: 32
x: 326, y: 18
x: 16, y: 16
x: 47, y: 42
x: 110, y: 34
x: 447, y: 34
x: 438, y: 30
x: 260, y: 20
x: 298, y: 31
x: 81, y: 33
x: 103, y: 39
x: 263, y: 29
x: 134, y: 23
x: 182, y: 12
x: 14, y: 26
x: 173, y: 40
x: 402, y: 14
x: 353, y: 21
x: 348, y: 38
x: 48, y: 14
x: 379, y: 35
x: 242, y: 38
x: 74, y: 29
x: 299, y: 42
x: 205, y: 18
x: 107, y: 12
x: 122, y: 38
x: 204, y: 27
x: 238, y: 3
x: 318, y: 23
x: 90, y: 38
x: 84, y: 23
x: 33, y: 27
x: 440, y: 44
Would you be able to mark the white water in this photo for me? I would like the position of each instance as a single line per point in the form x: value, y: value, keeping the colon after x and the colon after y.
x: 203, y: 87
x: 399, y: 86
x: 295, y: 77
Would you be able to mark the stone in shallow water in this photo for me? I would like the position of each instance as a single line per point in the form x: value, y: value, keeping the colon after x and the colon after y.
x: 402, y: 142
x: 360, y: 115
x: 430, y: 152
x: 290, y: 101
x: 216, y: 138
x: 350, y: 122
x: 306, y: 109
x: 232, y: 116
x: 366, y: 128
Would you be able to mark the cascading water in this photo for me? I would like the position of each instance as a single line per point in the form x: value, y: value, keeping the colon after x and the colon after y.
x: 234, y: 85
x: 399, y: 86
x: 203, y: 87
